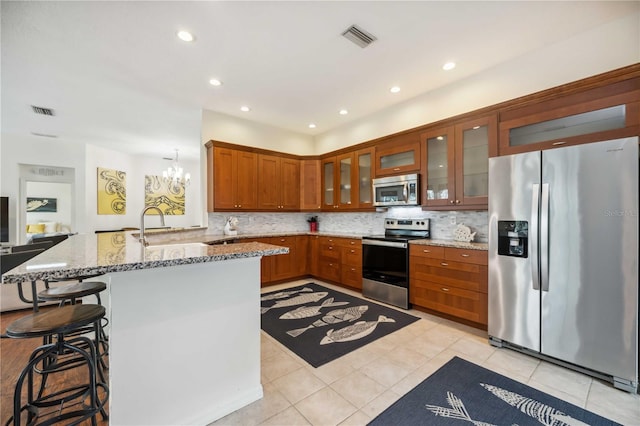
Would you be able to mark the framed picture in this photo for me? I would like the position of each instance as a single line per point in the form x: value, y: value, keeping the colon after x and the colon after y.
x: 44, y: 205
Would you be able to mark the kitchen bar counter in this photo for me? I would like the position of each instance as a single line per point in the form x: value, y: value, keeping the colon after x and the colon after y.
x: 184, y: 323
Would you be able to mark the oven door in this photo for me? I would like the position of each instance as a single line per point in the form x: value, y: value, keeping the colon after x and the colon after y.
x: 385, y: 266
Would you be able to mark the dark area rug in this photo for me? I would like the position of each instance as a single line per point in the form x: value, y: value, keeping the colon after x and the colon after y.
x: 320, y: 324
x: 461, y: 392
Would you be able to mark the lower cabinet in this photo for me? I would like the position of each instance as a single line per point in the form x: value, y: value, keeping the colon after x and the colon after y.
x: 337, y: 259
x: 351, y: 266
x: 329, y: 257
x: 284, y: 266
x: 449, y: 280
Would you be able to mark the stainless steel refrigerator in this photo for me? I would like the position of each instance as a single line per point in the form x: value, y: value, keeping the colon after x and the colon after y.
x: 563, y: 257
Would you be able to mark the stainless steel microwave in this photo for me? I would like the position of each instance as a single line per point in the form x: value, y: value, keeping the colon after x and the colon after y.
x: 396, y: 191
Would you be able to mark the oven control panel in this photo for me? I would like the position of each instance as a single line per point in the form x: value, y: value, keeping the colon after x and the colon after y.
x: 407, y: 224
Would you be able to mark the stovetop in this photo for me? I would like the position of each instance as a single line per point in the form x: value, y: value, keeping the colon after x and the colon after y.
x: 403, y: 230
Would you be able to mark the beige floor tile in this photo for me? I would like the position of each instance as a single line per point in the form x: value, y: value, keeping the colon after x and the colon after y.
x: 385, y: 371
x: 562, y: 379
x: 279, y: 365
x: 412, y: 380
x: 443, y: 336
x: 325, y: 408
x: 419, y: 327
x: 358, y: 389
x: 381, y: 403
x: 427, y: 346
x: 357, y: 419
x: 406, y: 357
x: 507, y: 359
x: 289, y: 417
x: 575, y: 400
x: 333, y: 370
x: 269, y: 349
x: 611, y: 402
x: 476, y: 350
x: 298, y: 384
x: 272, y: 403
x: 361, y: 357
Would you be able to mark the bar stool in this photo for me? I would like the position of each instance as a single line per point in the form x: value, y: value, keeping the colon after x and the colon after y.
x: 59, y: 322
x: 70, y: 293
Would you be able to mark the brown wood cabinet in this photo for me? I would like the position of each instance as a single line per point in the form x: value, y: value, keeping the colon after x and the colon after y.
x: 279, y: 183
x: 351, y: 262
x: 329, y: 259
x: 235, y: 177
x: 310, y: 188
x: 398, y: 155
x: 346, y: 180
x: 284, y: 266
x: 450, y: 281
x: 601, y: 113
x: 456, y: 164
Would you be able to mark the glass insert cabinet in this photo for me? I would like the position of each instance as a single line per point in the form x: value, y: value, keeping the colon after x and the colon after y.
x: 457, y: 163
x: 346, y: 180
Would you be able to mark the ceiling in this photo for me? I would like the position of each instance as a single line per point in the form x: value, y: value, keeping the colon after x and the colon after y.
x: 117, y: 76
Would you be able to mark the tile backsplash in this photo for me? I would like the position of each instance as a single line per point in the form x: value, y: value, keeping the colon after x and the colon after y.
x: 442, y: 222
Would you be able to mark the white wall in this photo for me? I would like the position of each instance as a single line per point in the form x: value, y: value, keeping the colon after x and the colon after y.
x: 16, y: 150
x: 226, y: 128
x: 61, y: 192
x: 602, y: 49
x: 136, y: 167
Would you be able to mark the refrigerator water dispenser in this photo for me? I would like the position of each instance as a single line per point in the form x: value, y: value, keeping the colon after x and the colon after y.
x: 513, y: 238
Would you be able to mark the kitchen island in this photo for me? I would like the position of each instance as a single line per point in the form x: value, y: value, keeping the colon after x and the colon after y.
x: 184, y: 324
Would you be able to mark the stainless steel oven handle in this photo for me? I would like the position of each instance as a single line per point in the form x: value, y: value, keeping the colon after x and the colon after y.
x: 384, y: 243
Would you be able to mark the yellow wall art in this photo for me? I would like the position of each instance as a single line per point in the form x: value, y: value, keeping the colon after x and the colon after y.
x: 169, y: 196
x: 112, y: 193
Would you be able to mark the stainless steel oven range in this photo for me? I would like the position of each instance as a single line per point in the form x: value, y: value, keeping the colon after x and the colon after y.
x: 385, y: 260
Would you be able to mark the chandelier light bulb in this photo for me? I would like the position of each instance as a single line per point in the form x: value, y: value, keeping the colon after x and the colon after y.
x: 175, y: 174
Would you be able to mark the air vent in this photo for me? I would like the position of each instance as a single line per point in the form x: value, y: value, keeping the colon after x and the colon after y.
x: 42, y: 110
x: 359, y: 36
x: 42, y: 171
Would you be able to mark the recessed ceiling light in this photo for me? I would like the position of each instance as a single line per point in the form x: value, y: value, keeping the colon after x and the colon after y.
x: 215, y: 82
x: 245, y: 108
x: 394, y: 89
x: 449, y: 66
x: 344, y: 112
x: 185, y: 36
x: 312, y: 126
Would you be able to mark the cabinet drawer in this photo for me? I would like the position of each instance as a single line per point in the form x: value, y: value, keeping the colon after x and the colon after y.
x: 352, y: 276
x: 470, y: 305
x: 352, y: 256
x: 329, y: 270
x: 349, y: 242
x: 330, y: 251
x: 479, y: 257
x: 466, y: 276
x: 426, y: 251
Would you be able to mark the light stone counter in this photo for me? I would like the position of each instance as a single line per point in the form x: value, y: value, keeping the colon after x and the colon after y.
x: 184, y: 321
x: 452, y: 244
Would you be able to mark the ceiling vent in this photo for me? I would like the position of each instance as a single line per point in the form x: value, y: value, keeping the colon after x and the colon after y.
x: 42, y: 110
x: 359, y: 36
x: 45, y: 171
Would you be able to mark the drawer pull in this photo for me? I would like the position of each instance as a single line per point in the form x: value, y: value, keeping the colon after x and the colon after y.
x: 426, y: 251
x: 330, y: 248
x: 396, y: 169
x: 353, y: 251
x: 444, y: 264
x: 352, y: 242
x: 353, y: 269
x: 282, y: 240
x: 465, y: 255
x: 444, y: 289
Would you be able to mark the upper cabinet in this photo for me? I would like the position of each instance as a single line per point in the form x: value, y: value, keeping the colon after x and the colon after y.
x: 346, y: 181
x: 398, y: 155
x: 457, y: 164
x: 310, y: 196
x: 602, y: 113
x: 279, y: 183
x: 235, y: 178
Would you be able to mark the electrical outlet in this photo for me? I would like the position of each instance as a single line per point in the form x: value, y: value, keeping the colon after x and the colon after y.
x: 452, y: 219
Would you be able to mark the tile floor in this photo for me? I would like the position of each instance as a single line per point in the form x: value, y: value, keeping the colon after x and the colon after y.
x: 354, y: 389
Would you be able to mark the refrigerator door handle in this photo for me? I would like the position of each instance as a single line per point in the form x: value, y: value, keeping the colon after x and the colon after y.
x: 544, y: 238
x: 535, y: 207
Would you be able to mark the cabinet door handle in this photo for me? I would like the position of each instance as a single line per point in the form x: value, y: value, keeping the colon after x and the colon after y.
x: 444, y: 264
x: 396, y: 169
x: 457, y: 201
x: 559, y: 143
x: 451, y: 202
x: 353, y: 269
x: 330, y: 248
x: 444, y: 289
x: 465, y: 255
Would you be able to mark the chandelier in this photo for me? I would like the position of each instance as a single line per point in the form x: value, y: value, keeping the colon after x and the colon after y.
x: 175, y: 175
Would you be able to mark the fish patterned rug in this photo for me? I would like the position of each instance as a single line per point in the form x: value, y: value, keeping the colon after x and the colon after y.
x: 320, y: 324
x: 461, y: 392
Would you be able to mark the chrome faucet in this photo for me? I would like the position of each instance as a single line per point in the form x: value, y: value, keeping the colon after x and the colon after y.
x: 142, y: 239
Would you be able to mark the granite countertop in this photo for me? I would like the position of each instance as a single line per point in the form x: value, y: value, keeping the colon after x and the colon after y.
x: 121, y: 251
x: 452, y: 244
